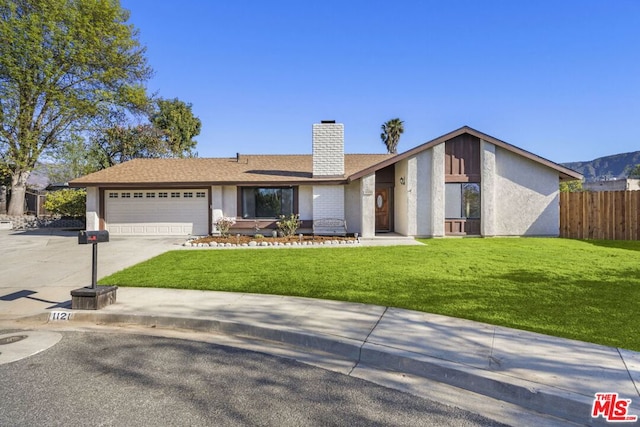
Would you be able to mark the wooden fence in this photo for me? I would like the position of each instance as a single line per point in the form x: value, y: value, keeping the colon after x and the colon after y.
x: 610, y: 215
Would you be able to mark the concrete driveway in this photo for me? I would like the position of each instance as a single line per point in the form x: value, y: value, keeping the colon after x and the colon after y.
x: 39, y: 268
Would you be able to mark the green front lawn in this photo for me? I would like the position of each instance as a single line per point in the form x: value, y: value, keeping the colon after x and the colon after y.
x: 585, y: 290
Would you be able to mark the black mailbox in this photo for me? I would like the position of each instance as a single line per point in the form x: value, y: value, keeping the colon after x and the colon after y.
x: 86, y: 237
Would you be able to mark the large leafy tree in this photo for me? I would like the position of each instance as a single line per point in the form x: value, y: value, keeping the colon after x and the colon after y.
x: 63, y: 64
x: 71, y: 160
x: 178, y: 126
x: 168, y: 132
x: 635, y: 172
x: 121, y: 143
x: 391, y: 131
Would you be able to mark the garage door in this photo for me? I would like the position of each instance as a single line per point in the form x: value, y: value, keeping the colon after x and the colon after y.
x: 157, y: 212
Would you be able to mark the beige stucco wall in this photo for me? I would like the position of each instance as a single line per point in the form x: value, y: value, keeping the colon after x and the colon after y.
x: 224, y: 201
x: 352, y: 209
x: 401, y: 199
x: 230, y: 200
x: 436, y: 201
x: 367, y: 206
x: 419, y: 209
x: 93, y: 207
x: 488, y: 189
x: 526, y: 195
x: 423, y: 189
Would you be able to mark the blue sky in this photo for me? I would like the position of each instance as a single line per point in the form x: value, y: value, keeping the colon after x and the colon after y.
x: 559, y: 78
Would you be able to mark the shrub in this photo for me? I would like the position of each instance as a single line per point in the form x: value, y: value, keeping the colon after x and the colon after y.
x: 288, y: 225
x: 67, y: 202
x: 224, y: 224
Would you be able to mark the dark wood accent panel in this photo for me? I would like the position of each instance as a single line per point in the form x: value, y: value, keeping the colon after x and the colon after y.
x: 386, y: 175
x: 462, y: 159
x: 462, y: 227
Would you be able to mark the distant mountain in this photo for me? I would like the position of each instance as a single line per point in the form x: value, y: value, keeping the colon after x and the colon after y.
x: 609, y: 167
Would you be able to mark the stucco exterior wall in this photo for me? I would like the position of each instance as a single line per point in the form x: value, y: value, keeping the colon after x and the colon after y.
x: 352, y: 207
x: 419, y: 200
x: 305, y: 202
x: 436, y: 177
x: 401, y: 199
x: 487, y: 189
x: 93, y: 207
x: 420, y: 191
x: 224, y: 201
x: 367, y: 206
x: 230, y: 200
x: 526, y: 194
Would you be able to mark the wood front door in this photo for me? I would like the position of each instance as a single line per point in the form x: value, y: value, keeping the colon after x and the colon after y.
x: 383, y: 215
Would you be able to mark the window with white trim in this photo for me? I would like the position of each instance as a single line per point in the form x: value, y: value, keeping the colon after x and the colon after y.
x: 113, y: 195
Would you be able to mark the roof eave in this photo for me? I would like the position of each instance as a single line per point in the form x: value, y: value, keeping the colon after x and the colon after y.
x: 334, y: 181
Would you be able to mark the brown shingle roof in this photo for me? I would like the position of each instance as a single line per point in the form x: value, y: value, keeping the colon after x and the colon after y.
x: 248, y: 169
x: 270, y: 169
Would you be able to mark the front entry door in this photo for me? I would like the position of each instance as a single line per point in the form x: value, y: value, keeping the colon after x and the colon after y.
x: 383, y: 216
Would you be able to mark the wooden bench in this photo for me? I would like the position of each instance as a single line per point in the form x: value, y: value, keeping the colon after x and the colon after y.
x: 330, y: 227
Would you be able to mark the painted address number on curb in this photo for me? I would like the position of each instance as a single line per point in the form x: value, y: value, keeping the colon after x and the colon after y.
x: 60, y: 315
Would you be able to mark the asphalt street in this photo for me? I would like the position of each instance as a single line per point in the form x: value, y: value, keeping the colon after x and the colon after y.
x: 122, y: 379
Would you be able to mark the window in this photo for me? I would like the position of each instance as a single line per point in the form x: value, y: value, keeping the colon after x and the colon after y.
x: 174, y: 195
x: 113, y: 195
x: 137, y: 195
x: 163, y: 195
x: 462, y: 200
x: 126, y: 195
x: 151, y: 195
x: 188, y: 194
x: 266, y: 202
x: 201, y: 194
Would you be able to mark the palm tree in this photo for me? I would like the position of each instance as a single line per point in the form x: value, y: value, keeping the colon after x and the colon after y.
x: 390, y: 135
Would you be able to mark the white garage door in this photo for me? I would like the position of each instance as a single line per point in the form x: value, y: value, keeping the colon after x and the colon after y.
x: 157, y: 212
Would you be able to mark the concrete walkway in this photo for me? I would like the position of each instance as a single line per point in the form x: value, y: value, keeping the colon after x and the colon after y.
x: 549, y: 375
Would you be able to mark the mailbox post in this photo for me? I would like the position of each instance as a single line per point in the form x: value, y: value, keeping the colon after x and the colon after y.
x: 94, y: 297
x: 93, y: 237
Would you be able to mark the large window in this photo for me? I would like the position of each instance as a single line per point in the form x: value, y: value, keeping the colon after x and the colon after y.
x: 268, y: 202
x: 462, y: 200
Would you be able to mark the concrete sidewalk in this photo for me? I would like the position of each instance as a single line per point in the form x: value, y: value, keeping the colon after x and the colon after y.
x: 549, y: 375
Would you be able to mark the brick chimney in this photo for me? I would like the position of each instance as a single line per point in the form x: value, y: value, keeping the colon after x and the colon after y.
x: 328, y: 149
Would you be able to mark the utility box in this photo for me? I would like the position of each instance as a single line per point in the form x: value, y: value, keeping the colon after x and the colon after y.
x: 86, y: 237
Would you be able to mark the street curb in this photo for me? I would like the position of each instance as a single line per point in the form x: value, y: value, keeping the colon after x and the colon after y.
x: 569, y: 406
